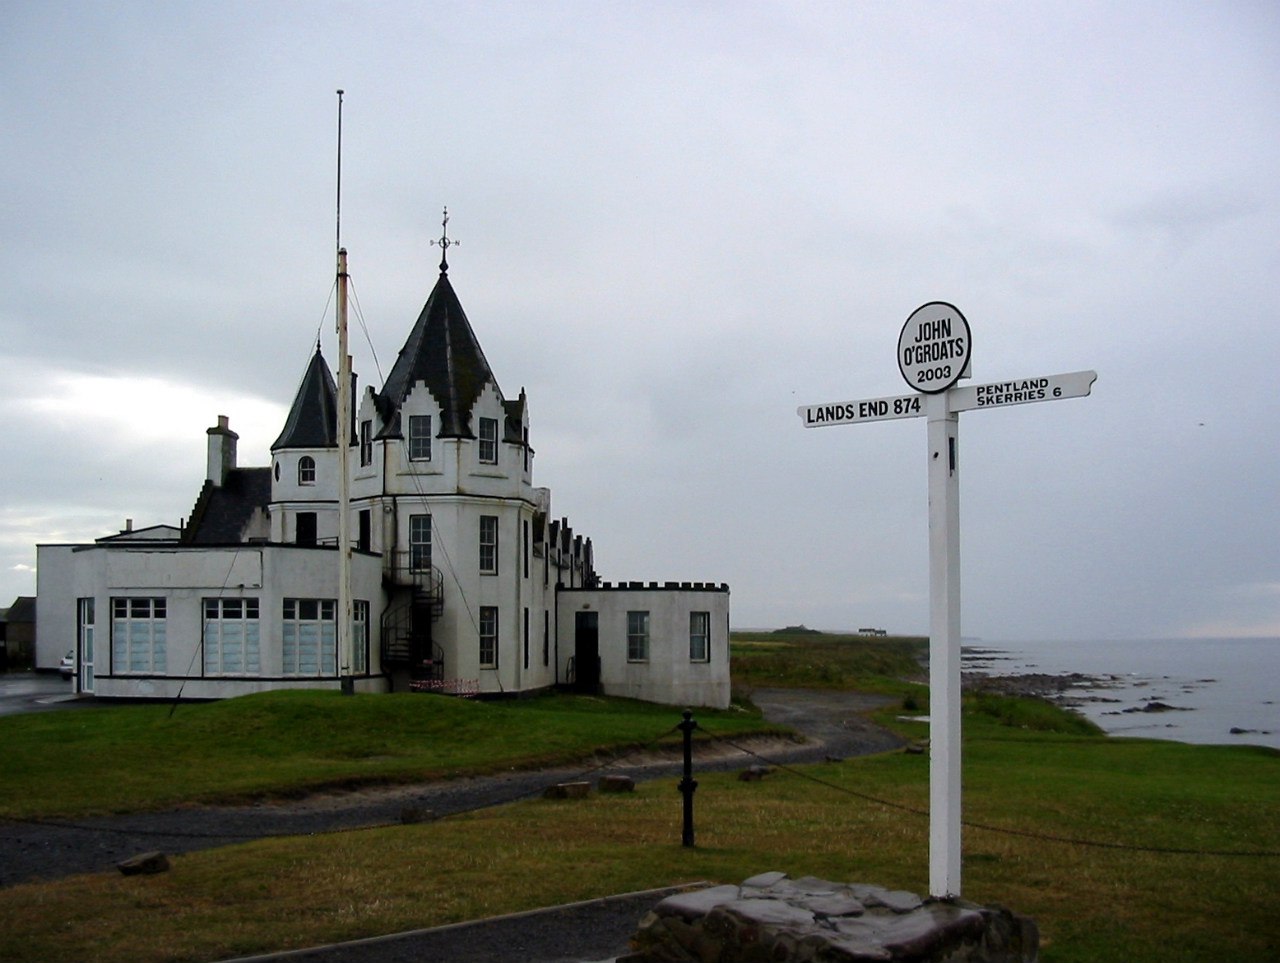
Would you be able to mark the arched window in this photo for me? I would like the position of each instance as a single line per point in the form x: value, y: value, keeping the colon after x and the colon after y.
x: 306, y: 470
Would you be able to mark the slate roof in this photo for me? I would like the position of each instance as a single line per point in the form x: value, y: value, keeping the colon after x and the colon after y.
x: 312, y: 421
x: 23, y: 609
x: 441, y: 351
x: 222, y: 512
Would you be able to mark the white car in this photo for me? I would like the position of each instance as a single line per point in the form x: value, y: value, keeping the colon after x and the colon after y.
x: 67, y: 665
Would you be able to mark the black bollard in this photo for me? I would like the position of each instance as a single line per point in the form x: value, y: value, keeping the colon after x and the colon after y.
x: 688, y: 784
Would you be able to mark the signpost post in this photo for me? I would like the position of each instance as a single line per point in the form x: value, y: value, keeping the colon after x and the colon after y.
x: 934, y: 349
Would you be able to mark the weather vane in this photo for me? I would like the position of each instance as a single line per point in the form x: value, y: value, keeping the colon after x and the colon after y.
x: 444, y: 243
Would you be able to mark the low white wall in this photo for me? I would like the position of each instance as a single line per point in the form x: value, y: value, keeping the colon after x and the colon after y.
x: 668, y: 675
x: 185, y: 577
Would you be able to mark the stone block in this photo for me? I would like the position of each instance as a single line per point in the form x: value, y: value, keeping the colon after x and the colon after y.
x: 774, y: 919
x: 416, y: 814
x: 763, y: 880
x: 568, y: 790
x: 616, y: 783
x: 754, y: 773
x: 144, y: 864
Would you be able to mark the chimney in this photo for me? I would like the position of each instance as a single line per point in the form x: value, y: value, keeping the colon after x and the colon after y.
x: 128, y: 524
x: 222, y: 451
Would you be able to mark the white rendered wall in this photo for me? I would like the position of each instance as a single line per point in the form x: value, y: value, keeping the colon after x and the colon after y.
x: 185, y: 577
x: 668, y: 676
x: 55, y: 604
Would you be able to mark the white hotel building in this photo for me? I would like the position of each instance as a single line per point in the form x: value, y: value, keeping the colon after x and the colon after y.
x: 461, y: 579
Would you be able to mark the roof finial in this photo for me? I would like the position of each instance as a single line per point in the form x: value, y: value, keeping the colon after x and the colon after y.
x: 445, y: 243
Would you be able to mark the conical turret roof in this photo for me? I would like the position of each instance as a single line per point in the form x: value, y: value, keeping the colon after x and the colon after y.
x: 443, y: 353
x: 312, y: 421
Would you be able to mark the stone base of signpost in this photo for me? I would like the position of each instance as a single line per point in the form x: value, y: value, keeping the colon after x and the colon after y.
x: 771, y: 917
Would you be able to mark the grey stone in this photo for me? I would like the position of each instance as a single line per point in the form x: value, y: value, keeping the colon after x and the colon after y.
x: 696, y: 904
x: 763, y: 880
x: 568, y: 790
x: 836, y: 904
x: 616, y: 783
x: 769, y: 912
x: 416, y: 814
x: 754, y: 773
x: 144, y: 864
x: 899, y: 900
x: 774, y: 919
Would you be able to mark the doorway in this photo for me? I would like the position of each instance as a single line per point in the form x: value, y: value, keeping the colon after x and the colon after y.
x: 586, y: 652
x: 84, y: 644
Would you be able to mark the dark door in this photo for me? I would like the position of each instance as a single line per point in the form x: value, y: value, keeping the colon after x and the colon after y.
x: 366, y: 530
x: 306, y: 528
x: 586, y: 652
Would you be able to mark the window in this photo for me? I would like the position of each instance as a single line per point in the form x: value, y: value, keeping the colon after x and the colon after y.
x: 138, y: 635
x: 526, y: 637
x: 489, y: 544
x: 488, y: 636
x: 309, y: 635
x: 419, y: 543
x: 366, y: 443
x: 489, y: 441
x: 360, y: 636
x: 546, y: 638
x: 231, y: 637
x: 306, y: 470
x: 306, y: 534
x: 419, y: 437
x: 699, y: 636
x: 637, y: 636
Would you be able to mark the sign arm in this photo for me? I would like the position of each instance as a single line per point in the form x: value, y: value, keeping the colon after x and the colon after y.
x: 934, y: 352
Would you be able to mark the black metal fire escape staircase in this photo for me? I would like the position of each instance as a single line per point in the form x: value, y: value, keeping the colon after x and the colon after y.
x: 418, y: 601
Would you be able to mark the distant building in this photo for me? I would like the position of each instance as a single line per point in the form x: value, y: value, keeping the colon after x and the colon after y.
x: 18, y: 634
x: 463, y: 581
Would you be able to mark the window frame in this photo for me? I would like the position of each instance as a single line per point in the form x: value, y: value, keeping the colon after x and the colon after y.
x: 419, y: 547
x: 488, y: 450
x: 419, y: 437
x: 129, y: 645
x: 306, y: 471
x: 638, y: 635
x: 360, y: 636
x: 487, y: 628
x: 704, y: 636
x: 366, y: 443
x: 217, y: 622
x: 488, y: 545
x: 297, y: 616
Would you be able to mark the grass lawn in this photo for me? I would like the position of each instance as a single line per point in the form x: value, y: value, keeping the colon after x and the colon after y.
x: 1031, y: 774
x: 137, y: 757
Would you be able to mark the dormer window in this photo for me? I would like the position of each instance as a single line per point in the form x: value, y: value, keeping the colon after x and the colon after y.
x: 306, y: 470
x: 419, y: 437
x: 489, y: 441
x: 366, y: 443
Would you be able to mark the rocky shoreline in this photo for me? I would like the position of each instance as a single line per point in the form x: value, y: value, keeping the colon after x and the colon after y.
x: 1069, y: 690
x: 1076, y: 690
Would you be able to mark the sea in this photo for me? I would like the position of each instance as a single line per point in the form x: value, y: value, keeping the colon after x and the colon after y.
x: 1220, y: 691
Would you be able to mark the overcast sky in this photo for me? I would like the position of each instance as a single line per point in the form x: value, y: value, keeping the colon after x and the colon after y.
x: 678, y: 222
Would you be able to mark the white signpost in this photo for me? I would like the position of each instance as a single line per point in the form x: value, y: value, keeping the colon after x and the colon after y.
x: 934, y: 350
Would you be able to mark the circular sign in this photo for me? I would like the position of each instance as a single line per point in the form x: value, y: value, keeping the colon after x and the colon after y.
x: 934, y: 347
